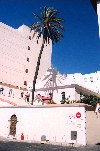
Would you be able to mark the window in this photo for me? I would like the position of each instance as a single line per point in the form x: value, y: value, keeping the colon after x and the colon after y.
x: 63, y: 95
x: 28, y: 59
x: 28, y: 48
x: 10, y: 92
x: 91, y: 79
x: 1, y: 90
x: 25, y: 83
x: 37, y: 42
x: 51, y: 95
x: 22, y: 94
x: 26, y: 70
x: 30, y: 37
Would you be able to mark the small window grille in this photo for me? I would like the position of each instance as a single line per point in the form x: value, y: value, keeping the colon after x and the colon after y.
x: 28, y: 48
x: 26, y: 70
x: 25, y: 83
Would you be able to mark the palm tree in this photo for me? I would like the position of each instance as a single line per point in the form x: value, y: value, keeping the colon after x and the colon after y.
x: 49, y: 26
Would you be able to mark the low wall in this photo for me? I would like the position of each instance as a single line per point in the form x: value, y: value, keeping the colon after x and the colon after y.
x: 92, y: 127
x: 59, y: 124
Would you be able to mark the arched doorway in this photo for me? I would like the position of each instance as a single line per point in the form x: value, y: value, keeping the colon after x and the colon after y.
x: 13, y: 122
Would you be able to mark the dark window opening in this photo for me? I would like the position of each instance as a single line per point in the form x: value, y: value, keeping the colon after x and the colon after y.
x: 37, y: 42
x: 22, y: 94
x: 28, y: 59
x: 26, y: 70
x: 51, y: 95
x: 1, y: 90
x: 25, y: 83
x: 28, y: 48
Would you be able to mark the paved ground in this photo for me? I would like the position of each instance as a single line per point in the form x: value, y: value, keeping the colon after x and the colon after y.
x: 20, y: 146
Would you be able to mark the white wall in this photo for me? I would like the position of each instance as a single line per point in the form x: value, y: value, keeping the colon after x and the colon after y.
x: 92, y: 127
x: 98, y: 12
x: 90, y: 81
x: 14, y: 53
x: 54, y: 122
x: 7, y: 99
x: 53, y: 80
x: 57, y: 96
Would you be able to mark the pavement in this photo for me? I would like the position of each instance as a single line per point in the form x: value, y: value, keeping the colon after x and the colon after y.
x: 23, y: 146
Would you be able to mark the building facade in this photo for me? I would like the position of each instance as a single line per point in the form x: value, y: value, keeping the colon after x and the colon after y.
x: 98, y: 12
x: 75, y: 125
x: 68, y: 87
x: 52, y: 124
x: 19, y: 54
x: 96, y: 6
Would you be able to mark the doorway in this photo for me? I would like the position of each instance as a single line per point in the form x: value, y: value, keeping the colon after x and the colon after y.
x: 13, y: 122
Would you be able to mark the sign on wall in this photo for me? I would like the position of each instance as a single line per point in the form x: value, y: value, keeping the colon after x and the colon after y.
x: 78, y: 114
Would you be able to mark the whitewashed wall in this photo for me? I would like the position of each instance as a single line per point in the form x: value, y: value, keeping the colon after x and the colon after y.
x: 14, y: 53
x: 98, y: 12
x: 14, y: 97
x: 54, y: 122
x: 57, y: 96
x: 92, y: 127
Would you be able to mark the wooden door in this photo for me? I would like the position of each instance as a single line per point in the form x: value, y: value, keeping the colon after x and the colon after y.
x: 13, y: 122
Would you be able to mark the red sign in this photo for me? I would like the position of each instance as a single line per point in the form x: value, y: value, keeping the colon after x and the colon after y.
x: 78, y: 114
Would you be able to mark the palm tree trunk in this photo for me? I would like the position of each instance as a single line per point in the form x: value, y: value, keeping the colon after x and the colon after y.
x: 37, y: 70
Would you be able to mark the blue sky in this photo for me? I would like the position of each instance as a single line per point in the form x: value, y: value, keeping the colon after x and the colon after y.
x: 79, y: 50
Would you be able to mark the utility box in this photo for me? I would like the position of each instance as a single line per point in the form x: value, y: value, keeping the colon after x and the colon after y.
x: 43, y: 138
x: 73, y: 135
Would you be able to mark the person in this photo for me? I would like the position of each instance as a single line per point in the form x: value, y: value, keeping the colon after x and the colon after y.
x: 27, y: 95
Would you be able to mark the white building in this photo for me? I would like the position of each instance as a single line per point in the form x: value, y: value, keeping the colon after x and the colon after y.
x: 55, y: 124
x: 98, y: 12
x: 52, y: 124
x: 96, y: 6
x: 69, y: 87
x: 90, y: 81
x: 19, y: 53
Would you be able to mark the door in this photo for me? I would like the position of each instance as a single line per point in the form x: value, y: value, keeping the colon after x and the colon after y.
x: 13, y: 122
